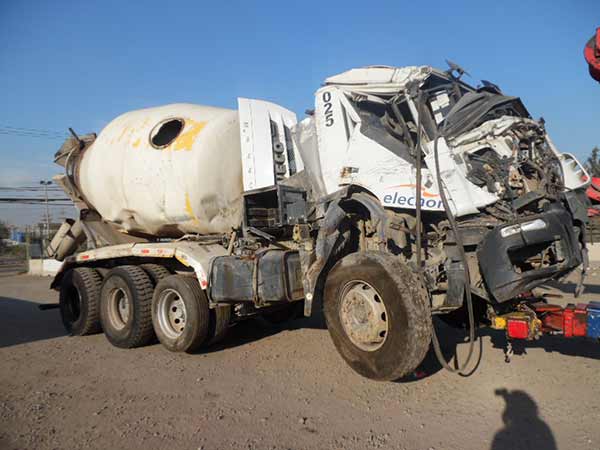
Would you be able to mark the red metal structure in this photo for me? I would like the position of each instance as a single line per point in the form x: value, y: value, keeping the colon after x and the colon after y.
x: 593, y: 193
x: 592, y: 55
x: 533, y: 319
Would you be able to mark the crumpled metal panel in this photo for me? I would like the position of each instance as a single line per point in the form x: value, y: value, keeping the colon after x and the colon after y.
x: 379, y: 79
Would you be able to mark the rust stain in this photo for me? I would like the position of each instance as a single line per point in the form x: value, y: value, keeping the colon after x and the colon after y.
x: 186, y: 139
x: 188, y: 208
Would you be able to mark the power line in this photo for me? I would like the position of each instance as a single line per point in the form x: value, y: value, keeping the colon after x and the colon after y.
x: 21, y: 204
x: 31, y: 199
x: 42, y: 136
x: 29, y: 188
x: 32, y: 132
x: 35, y: 130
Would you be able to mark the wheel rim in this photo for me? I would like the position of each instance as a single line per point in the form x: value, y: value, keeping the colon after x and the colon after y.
x: 119, y: 308
x: 363, y: 315
x: 171, y: 313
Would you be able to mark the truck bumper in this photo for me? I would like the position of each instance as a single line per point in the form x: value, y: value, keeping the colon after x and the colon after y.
x: 510, y: 256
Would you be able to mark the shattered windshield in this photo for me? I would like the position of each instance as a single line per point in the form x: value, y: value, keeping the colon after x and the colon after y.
x: 456, y: 107
x: 447, y: 106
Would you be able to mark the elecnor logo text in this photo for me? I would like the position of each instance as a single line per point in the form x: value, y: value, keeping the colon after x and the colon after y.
x: 397, y: 199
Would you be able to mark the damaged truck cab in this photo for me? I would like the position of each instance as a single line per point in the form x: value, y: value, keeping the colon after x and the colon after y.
x: 405, y: 193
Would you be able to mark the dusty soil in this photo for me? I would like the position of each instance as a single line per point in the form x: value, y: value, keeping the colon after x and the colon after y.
x: 280, y: 388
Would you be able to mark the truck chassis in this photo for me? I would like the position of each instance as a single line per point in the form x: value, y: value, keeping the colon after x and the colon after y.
x: 483, y: 210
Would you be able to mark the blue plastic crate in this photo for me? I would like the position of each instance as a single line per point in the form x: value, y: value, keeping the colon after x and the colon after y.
x: 593, y: 320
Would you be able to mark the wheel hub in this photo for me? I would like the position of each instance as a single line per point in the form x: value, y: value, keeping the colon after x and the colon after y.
x: 171, y: 313
x: 363, y: 316
x: 119, y: 308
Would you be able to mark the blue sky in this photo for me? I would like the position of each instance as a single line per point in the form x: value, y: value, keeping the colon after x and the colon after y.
x: 80, y: 64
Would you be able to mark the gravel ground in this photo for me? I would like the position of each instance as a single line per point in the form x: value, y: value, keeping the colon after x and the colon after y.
x: 280, y: 388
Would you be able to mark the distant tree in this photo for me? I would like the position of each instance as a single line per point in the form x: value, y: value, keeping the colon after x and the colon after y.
x: 593, y: 162
x: 4, y: 231
x: 4, y: 234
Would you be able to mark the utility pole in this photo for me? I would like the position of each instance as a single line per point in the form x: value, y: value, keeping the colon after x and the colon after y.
x: 27, y: 249
x: 46, y: 183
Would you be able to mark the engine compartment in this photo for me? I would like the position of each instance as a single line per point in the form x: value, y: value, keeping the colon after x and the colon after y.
x: 519, y: 203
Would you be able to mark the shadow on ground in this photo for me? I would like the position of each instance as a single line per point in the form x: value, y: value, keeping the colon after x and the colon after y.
x: 255, y: 329
x: 450, y: 338
x: 523, y: 427
x: 21, y: 321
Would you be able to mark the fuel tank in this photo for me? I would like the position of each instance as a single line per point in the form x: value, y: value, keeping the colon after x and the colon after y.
x: 166, y: 171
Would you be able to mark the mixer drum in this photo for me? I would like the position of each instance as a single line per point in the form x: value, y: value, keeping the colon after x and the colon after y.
x: 166, y: 171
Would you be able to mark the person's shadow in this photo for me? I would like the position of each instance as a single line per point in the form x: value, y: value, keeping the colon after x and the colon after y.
x: 523, y: 427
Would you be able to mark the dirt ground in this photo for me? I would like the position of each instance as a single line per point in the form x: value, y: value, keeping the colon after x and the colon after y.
x: 280, y: 388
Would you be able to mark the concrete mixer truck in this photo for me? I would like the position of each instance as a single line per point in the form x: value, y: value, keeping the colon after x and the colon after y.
x: 405, y: 194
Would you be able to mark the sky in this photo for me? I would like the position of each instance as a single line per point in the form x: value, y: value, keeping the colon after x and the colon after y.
x: 80, y: 64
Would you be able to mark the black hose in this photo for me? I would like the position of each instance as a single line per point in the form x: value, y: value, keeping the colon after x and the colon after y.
x: 418, y: 190
x: 436, y: 344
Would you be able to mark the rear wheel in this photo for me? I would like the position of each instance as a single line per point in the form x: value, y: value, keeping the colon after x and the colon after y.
x: 79, y: 301
x: 156, y: 272
x: 377, y: 315
x: 180, y: 313
x: 125, y: 307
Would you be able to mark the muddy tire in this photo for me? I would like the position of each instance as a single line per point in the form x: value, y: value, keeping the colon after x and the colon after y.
x: 79, y: 301
x: 125, y: 307
x: 180, y: 313
x: 156, y: 272
x: 377, y: 315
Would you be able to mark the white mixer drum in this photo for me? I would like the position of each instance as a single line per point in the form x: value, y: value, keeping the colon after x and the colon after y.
x: 167, y: 171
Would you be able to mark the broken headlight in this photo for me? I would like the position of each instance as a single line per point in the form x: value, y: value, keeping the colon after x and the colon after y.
x: 534, y: 225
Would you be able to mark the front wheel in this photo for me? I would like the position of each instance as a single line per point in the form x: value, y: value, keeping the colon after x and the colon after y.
x: 377, y: 315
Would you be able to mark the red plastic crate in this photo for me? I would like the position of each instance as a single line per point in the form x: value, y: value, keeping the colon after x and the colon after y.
x: 575, y: 320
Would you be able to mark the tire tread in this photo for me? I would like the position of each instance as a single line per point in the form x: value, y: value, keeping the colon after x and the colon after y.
x: 92, y: 283
x: 142, y: 332
x: 156, y: 272
x: 415, y: 342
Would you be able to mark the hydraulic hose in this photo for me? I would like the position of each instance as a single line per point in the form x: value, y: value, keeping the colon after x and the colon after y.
x: 461, y: 249
x: 418, y: 191
x: 436, y: 344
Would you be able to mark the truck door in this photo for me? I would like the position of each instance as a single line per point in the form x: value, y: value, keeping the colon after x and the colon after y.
x: 268, y: 152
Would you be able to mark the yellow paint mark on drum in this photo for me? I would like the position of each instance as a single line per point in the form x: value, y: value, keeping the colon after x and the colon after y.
x: 137, y: 142
x: 188, y: 208
x: 125, y: 130
x: 186, y: 139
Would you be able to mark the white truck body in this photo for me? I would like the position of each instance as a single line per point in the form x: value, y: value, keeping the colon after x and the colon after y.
x: 266, y: 212
x: 195, y: 184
